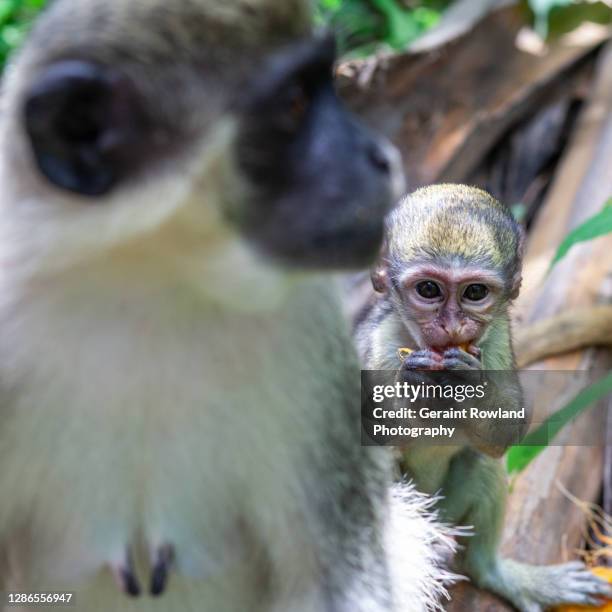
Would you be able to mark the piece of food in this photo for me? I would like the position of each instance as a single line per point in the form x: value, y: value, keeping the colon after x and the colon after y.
x: 402, y: 353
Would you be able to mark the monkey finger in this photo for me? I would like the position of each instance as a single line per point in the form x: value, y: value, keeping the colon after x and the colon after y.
x: 475, y: 351
x: 581, y: 586
x: 424, y: 352
x: 421, y: 362
x: 601, y: 589
x: 162, y: 564
x: 456, y: 359
x: 457, y: 364
x: 573, y: 565
x: 583, y: 599
x: 592, y: 601
x: 457, y: 352
x: 125, y: 576
x: 594, y: 585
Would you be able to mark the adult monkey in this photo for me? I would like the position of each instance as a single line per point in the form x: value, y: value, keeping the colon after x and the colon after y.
x: 166, y: 372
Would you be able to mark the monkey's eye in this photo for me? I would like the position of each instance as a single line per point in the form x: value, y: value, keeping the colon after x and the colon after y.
x: 428, y: 290
x: 476, y: 292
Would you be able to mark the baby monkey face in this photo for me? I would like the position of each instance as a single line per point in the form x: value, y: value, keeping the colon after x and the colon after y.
x: 450, y: 307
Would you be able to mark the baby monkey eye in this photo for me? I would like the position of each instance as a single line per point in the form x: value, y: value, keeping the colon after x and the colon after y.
x: 476, y: 292
x: 428, y: 290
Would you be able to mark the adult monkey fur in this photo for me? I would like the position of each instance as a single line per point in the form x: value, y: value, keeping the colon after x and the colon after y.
x: 167, y: 370
x: 450, y: 267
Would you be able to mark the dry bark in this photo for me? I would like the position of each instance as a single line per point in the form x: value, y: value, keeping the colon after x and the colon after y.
x: 542, y: 525
x: 568, y: 331
x: 446, y: 108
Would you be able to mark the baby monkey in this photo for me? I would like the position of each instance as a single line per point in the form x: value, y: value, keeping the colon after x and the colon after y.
x: 449, y: 270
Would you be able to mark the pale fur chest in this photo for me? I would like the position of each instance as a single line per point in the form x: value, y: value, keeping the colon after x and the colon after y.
x: 160, y: 419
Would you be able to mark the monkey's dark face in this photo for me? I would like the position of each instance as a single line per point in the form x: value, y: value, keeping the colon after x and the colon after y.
x: 320, y: 183
x: 447, y: 307
x: 274, y: 157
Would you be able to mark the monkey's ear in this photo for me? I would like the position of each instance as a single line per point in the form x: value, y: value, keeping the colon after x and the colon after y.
x: 380, y: 274
x: 84, y: 124
x: 380, y: 279
x: 516, y: 286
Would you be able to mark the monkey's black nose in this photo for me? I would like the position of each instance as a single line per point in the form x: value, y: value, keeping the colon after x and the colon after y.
x: 379, y: 159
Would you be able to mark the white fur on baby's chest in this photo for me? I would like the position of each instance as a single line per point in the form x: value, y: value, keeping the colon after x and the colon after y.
x: 163, y: 418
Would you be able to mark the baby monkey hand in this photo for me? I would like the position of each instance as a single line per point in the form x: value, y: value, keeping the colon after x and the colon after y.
x: 456, y: 358
x: 423, y: 359
x: 453, y: 358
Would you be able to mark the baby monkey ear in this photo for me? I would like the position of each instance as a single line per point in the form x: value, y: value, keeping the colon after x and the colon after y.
x: 380, y: 274
x: 517, y: 279
x: 380, y: 279
x: 83, y: 122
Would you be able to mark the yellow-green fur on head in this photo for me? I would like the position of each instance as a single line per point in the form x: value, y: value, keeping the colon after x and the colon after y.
x: 454, y: 223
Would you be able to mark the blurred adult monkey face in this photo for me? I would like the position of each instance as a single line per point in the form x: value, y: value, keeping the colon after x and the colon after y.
x: 204, y: 118
x: 167, y: 167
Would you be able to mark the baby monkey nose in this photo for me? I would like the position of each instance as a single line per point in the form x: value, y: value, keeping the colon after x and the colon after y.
x: 456, y: 332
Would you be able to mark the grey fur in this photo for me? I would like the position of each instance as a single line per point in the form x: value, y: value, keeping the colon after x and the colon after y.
x: 168, y: 395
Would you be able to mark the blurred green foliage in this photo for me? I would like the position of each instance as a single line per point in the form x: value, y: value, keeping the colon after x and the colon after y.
x: 541, y: 10
x: 552, y: 18
x: 365, y: 26
x: 15, y: 19
x: 594, y: 227
x: 520, y: 456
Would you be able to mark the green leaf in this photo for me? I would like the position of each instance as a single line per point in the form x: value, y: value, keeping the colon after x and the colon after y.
x: 520, y: 456
x: 541, y: 9
x: 16, y: 17
x: 330, y: 5
x: 404, y: 25
x: 567, y: 18
x: 364, y: 27
x: 598, y: 225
